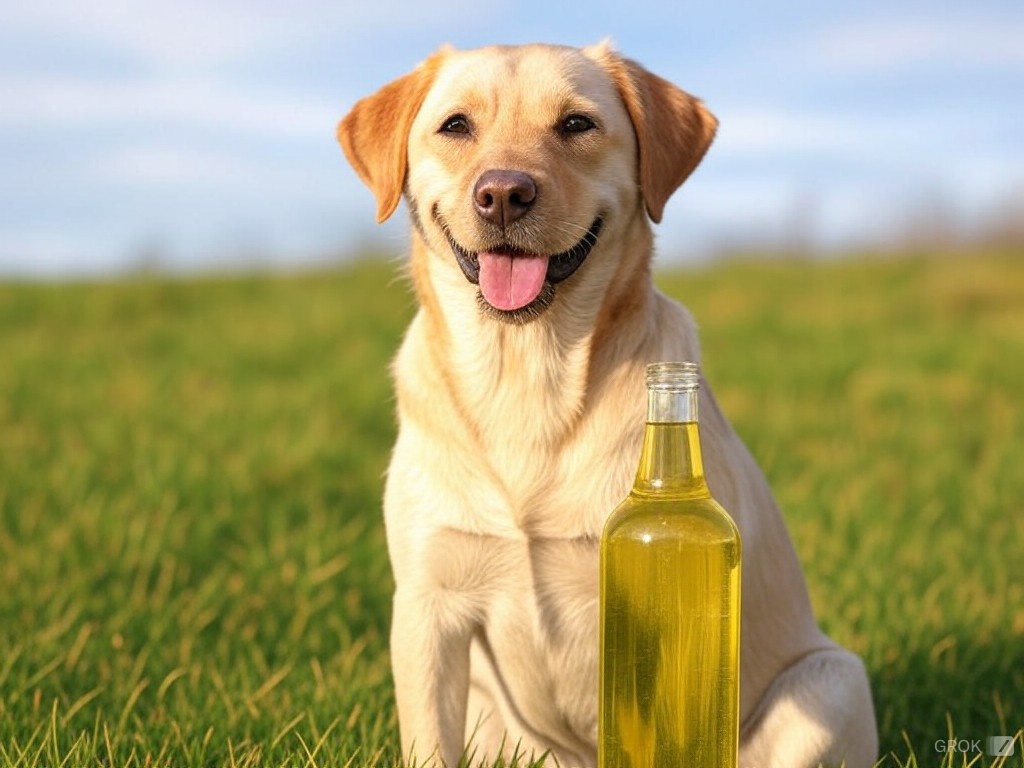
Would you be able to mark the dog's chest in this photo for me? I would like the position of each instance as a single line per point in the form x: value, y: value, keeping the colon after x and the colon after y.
x: 538, y: 600
x: 553, y: 634
x: 566, y: 493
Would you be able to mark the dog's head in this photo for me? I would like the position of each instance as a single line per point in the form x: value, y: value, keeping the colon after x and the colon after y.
x: 519, y: 163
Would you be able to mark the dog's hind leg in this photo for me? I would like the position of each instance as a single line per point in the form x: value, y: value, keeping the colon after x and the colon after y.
x: 817, y: 712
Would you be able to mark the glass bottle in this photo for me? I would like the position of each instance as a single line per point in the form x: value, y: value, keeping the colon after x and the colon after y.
x: 670, y: 600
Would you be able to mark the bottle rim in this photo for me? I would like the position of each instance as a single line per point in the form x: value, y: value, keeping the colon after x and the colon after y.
x: 683, y: 376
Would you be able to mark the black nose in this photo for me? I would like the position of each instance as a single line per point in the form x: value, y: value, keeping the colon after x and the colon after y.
x: 502, y: 196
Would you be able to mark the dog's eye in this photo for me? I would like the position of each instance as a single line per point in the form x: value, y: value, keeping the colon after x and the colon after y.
x: 576, y: 124
x: 455, y: 124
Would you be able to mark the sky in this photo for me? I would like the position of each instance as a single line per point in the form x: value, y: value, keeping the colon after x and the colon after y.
x: 199, y: 134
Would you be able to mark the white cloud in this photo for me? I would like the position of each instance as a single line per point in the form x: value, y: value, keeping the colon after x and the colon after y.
x: 169, y: 166
x: 864, y: 135
x: 758, y: 131
x: 183, y: 32
x: 921, y: 134
x: 886, y: 44
x: 199, y: 34
x: 220, y: 173
x: 69, y: 101
x: 53, y: 253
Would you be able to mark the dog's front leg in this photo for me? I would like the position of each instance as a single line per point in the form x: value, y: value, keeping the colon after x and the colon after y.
x: 430, y: 662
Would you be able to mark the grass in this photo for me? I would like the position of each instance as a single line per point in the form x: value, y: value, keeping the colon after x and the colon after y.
x: 192, y: 561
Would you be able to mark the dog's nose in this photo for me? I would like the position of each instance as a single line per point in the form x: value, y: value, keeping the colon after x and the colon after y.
x: 503, y: 196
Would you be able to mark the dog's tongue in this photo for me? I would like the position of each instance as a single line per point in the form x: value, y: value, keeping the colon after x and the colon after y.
x: 511, y: 281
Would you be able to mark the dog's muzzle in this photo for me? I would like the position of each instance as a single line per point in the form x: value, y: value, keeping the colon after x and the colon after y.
x: 560, y: 267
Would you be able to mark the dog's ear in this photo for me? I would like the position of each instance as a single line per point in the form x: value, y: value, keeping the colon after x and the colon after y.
x: 673, y: 129
x: 375, y: 133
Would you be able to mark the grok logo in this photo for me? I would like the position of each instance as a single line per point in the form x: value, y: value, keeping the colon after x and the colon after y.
x: 996, y: 746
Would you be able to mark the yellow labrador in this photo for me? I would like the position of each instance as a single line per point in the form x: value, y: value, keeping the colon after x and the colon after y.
x: 532, y: 175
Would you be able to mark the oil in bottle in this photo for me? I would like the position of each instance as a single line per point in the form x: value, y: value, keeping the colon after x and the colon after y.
x: 670, y: 600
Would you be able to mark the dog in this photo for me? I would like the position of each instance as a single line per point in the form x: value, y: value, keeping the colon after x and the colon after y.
x: 532, y: 175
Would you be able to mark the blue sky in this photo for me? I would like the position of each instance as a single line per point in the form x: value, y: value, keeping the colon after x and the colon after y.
x: 200, y: 133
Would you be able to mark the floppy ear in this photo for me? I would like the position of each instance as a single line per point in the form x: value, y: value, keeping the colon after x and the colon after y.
x: 375, y: 134
x: 673, y: 129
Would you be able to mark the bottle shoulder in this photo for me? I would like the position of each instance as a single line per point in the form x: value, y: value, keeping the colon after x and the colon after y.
x: 665, y: 517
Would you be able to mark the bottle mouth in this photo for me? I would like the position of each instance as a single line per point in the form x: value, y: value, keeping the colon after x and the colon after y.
x: 673, y: 376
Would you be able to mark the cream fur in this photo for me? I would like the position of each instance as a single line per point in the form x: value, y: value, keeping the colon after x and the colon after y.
x: 516, y: 441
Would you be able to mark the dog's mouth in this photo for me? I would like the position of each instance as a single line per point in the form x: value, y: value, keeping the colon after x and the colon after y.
x: 515, y: 285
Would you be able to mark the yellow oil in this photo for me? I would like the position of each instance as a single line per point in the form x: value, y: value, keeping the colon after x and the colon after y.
x: 670, y: 616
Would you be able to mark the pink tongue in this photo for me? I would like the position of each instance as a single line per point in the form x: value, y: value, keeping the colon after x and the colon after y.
x: 510, y: 281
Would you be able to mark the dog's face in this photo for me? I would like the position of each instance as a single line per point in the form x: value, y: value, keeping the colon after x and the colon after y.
x: 520, y: 163
x: 518, y: 158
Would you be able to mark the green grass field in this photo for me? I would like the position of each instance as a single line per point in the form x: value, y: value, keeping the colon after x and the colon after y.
x: 192, y: 560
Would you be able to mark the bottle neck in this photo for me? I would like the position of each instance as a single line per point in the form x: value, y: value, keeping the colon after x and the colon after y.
x: 668, y: 406
x: 670, y: 461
